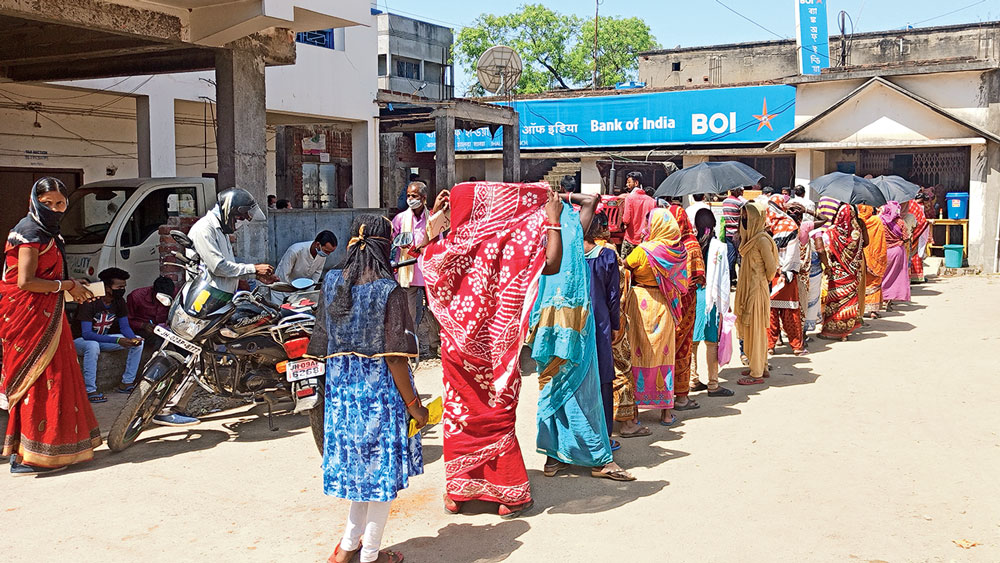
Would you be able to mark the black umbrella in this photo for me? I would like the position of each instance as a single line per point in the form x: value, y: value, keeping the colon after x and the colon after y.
x: 848, y: 188
x: 708, y: 178
x: 895, y: 188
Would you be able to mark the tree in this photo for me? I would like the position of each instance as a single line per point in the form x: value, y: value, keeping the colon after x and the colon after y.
x: 557, y: 49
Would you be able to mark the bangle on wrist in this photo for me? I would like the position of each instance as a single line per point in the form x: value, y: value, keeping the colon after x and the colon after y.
x: 411, y: 403
x: 553, y: 227
x: 59, y: 288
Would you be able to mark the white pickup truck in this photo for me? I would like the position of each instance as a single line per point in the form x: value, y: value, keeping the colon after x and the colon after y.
x: 116, y: 223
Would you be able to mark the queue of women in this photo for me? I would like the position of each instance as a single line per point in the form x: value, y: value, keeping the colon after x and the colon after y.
x: 519, y: 265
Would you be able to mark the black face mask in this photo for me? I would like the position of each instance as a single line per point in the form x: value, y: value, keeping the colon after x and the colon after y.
x: 118, y: 293
x: 45, y: 217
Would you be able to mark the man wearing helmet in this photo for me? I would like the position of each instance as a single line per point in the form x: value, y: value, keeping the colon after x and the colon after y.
x: 210, y: 236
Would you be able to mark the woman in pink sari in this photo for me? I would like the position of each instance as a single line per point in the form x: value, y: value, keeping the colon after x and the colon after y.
x: 896, y: 282
x: 481, y: 281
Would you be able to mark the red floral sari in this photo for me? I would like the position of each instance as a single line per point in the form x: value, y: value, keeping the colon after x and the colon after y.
x: 481, y: 283
x: 841, y: 308
x: 51, y: 422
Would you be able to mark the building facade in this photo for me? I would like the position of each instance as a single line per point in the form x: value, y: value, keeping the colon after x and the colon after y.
x: 414, y: 57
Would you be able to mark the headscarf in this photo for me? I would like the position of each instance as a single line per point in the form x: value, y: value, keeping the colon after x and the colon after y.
x: 890, y: 216
x: 696, y: 264
x: 754, y: 230
x: 826, y: 209
x: 367, y: 257
x: 753, y: 236
x: 783, y: 228
x: 667, y: 257
x: 41, y: 225
x: 704, y: 224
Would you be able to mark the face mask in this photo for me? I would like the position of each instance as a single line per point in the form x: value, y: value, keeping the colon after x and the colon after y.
x: 240, y: 223
x: 414, y: 203
x: 321, y: 253
x: 118, y: 293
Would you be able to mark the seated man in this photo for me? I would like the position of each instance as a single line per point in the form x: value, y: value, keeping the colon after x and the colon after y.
x: 145, y: 312
x: 98, y: 320
x: 306, y: 259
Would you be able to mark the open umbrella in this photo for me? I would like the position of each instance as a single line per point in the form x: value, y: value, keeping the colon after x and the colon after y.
x: 848, y: 188
x: 708, y: 178
x: 895, y: 188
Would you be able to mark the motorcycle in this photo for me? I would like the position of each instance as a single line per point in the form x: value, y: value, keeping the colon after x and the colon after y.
x: 234, y: 345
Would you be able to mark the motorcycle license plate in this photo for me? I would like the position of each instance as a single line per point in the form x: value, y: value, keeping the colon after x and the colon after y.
x: 304, y: 369
x: 176, y: 340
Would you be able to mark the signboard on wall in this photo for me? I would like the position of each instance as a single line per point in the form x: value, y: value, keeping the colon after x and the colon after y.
x: 755, y: 114
x: 812, y: 36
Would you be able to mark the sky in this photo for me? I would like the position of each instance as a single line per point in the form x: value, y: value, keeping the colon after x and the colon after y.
x: 708, y: 22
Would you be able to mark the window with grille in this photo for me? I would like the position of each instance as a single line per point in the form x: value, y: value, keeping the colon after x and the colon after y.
x: 408, y: 69
x: 322, y: 38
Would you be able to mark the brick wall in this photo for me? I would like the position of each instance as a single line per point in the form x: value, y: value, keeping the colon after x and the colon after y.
x: 338, y: 145
x: 168, y: 245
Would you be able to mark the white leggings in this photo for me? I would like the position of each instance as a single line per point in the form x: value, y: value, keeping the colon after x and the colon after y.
x: 365, y: 524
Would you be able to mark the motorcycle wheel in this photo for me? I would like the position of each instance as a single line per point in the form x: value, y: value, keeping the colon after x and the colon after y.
x: 142, y: 405
x: 317, y: 416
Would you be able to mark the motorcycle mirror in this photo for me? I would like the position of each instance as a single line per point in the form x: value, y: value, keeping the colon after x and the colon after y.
x: 282, y: 287
x: 181, y: 239
x: 302, y: 283
x: 164, y: 299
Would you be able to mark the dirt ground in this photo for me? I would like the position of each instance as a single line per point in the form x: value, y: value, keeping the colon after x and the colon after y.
x: 884, y: 448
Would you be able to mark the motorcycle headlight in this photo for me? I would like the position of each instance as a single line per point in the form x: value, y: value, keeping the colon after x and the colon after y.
x: 186, y: 326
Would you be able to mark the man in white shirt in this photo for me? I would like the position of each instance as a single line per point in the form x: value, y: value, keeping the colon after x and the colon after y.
x: 799, y: 194
x: 306, y: 259
x: 699, y: 204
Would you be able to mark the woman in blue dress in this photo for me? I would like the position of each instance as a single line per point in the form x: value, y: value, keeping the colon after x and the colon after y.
x: 365, y: 334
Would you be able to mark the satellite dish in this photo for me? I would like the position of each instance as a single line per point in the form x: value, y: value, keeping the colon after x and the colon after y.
x: 499, y: 69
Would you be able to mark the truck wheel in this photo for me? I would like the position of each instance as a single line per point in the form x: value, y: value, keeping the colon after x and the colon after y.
x: 142, y: 405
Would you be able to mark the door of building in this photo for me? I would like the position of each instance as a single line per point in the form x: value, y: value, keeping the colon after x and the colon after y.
x: 15, y: 190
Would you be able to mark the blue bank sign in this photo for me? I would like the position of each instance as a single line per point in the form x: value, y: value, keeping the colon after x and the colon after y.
x: 756, y: 114
x: 812, y: 36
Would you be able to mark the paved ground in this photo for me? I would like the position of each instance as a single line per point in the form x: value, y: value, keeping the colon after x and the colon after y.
x: 885, y: 448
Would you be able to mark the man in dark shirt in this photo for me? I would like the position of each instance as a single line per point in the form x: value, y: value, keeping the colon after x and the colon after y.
x: 145, y: 312
x: 104, y: 327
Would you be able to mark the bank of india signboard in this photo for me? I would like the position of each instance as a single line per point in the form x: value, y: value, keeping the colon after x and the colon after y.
x: 754, y: 114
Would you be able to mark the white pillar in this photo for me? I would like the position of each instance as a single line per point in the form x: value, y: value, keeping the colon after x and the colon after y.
x: 590, y: 178
x: 981, y: 209
x: 364, y: 163
x: 156, y: 136
x: 809, y: 164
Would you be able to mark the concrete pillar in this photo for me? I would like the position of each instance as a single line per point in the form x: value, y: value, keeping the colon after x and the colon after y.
x: 692, y: 159
x: 364, y: 160
x: 982, y: 208
x: 156, y: 136
x: 494, y: 170
x: 590, y: 177
x: 444, y: 156
x: 809, y: 164
x: 242, y: 138
x: 511, y: 153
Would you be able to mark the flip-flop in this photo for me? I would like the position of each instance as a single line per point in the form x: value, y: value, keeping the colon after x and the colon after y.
x: 336, y: 552
x: 615, y: 445
x: 747, y: 380
x: 391, y: 556
x: 510, y: 514
x: 125, y: 389
x: 721, y: 392
x: 688, y: 406
x: 97, y: 397
x: 639, y: 432
x: 617, y: 475
x: 673, y: 419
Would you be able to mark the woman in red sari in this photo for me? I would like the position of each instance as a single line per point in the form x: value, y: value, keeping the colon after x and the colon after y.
x: 845, y: 244
x: 683, y: 343
x: 481, y: 282
x: 51, y: 424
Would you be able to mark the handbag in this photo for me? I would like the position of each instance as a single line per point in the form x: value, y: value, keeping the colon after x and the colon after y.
x: 726, y: 339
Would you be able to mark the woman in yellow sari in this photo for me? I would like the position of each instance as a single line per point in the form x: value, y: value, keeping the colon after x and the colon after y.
x: 659, y: 268
x: 876, y: 259
x: 753, y: 292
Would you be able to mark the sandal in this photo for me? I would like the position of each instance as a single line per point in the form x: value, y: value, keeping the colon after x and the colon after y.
x: 550, y: 470
x: 802, y: 352
x: 507, y: 512
x: 451, y: 506
x: 615, y: 445
x: 638, y: 433
x: 97, y: 397
x: 699, y: 386
x: 336, y: 552
x: 690, y: 405
x: 747, y: 380
x: 721, y: 392
x: 390, y: 556
x: 125, y: 388
x: 616, y: 475
x: 673, y: 419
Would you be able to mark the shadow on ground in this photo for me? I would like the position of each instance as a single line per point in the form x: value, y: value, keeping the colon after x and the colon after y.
x: 466, y: 543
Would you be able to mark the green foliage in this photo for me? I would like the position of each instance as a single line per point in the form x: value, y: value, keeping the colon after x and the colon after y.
x: 557, y: 49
